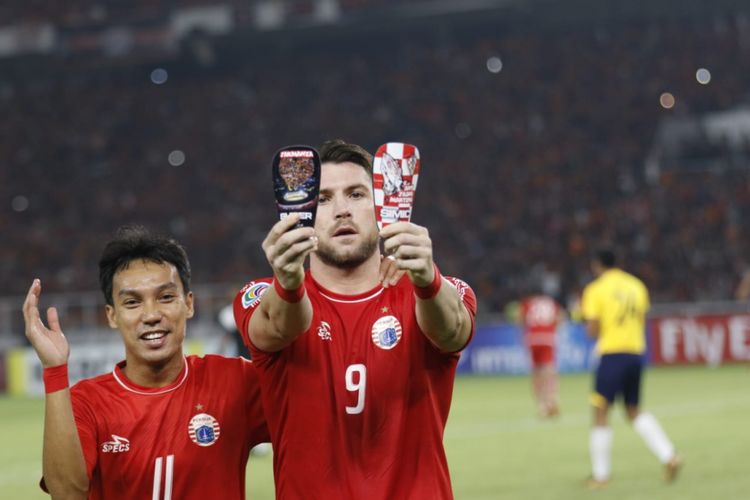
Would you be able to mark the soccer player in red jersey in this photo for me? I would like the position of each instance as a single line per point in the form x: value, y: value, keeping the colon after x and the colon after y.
x: 540, y: 315
x: 357, y: 377
x: 161, y: 425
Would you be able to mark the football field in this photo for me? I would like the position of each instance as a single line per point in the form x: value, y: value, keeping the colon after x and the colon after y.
x: 498, y: 449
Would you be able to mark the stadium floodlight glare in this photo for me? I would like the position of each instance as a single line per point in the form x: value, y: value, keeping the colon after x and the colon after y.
x: 159, y: 76
x: 494, y: 64
x: 463, y: 130
x: 176, y: 158
x: 703, y: 76
x: 667, y: 100
x: 19, y: 203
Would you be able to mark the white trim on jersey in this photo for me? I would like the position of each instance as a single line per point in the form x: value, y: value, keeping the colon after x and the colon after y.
x: 125, y: 386
x: 353, y: 301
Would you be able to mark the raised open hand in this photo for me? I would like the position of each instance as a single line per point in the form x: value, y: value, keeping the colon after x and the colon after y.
x: 50, y: 343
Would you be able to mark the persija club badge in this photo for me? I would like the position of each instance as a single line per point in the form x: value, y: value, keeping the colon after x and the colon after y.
x: 394, y: 181
x: 386, y: 332
x: 296, y: 182
x: 204, y: 429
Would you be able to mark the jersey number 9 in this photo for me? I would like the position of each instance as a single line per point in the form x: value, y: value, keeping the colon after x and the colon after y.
x: 359, y: 386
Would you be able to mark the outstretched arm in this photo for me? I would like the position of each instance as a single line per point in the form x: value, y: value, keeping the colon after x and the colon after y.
x: 63, y: 465
x: 441, y: 313
x: 285, y: 312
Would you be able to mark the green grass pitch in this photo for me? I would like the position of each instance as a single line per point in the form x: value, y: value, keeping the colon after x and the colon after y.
x: 498, y: 449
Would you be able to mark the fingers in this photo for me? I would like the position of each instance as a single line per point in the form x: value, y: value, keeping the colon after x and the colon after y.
x: 53, y: 320
x: 392, y: 245
x: 293, y: 254
x: 280, y: 229
x: 411, y: 247
x: 389, y: 273
x: 402, y: 227
x: 31, y: 304
x: 286, y: 248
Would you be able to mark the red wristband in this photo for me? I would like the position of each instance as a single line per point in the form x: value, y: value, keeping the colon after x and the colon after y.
x: 55, y: 378
x: 429, y: 291
x: 291, y: 296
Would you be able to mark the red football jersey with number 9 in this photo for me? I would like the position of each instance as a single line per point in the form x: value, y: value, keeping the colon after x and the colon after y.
x: 357, y: 405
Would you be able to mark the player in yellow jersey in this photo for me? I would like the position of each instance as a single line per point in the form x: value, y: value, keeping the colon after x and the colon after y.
x: 614, y: 307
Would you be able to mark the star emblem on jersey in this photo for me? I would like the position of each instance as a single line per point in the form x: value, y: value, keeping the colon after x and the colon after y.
x: 386, y: 332
x: 204, y: 429
x: 199, y: 407
x: 324, y: 330
x: 384, y: 309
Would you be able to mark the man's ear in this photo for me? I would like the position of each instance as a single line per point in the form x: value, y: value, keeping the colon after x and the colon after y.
x: 189, y: 303
x: 110, y: 310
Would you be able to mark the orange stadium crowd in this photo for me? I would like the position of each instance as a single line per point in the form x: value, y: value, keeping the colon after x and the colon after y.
x: 524, y: 167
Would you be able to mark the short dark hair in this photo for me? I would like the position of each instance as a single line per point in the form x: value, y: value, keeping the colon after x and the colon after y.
x: 134, y: 242
x: 606, y: 257
x: 340, y: 151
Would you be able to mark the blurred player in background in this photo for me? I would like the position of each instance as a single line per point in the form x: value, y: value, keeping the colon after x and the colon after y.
x: 161, y: 425
x: 540, y: 315
x: 614, y: 307
x: 357, y: 377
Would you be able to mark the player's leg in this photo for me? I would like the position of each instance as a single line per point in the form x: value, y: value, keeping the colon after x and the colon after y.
x: 601, y: 436
x: 646, y: 425
x: 537, y: 382
x: 550, y: 382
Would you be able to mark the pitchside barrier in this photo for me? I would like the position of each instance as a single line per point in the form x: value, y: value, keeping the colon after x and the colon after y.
x: 705, y: 334
x: 677, y: 334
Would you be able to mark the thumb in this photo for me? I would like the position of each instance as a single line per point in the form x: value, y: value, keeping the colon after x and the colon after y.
x: 53, y: 320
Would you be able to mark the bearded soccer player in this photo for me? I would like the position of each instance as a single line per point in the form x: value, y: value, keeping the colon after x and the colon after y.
x: 614, y: 307
x: 357, y: 378
x: 161, y: 425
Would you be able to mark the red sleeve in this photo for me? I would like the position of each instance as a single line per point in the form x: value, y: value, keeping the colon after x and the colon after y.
x: 245, y: 304
x: 469, y: 300
x: 256, y: 419
x: 85, y: 417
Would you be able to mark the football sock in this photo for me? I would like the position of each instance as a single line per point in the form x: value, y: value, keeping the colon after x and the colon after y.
x: 654, y: 436
x: 600, y: 447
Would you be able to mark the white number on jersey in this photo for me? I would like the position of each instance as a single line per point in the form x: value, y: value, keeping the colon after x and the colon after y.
x: 542, y: 311
x: 168, y: 472
x: 358, y: 386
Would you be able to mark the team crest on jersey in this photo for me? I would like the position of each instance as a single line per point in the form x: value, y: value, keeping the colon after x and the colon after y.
x: 204, y: 429
x: 386, y: 332
x: 118, y: 444
x: 252, y: 293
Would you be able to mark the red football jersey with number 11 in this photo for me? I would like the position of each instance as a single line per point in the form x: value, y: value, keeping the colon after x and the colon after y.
x: 357, y: 405
x: 189, y: 440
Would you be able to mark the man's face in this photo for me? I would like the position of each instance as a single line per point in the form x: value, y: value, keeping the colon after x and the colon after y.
x: 345, y: 222
x: 150, y: 310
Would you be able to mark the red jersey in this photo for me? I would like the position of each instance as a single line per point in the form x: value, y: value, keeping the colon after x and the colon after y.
x: 539, y: 315
x: 190, y: 439
x: 357, y: 405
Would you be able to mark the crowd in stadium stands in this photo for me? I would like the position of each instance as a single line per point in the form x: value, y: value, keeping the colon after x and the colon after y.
x: 524, y: 170
x: 81, y: 13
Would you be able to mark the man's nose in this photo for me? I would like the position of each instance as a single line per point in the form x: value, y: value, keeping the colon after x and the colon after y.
x: 151, y: 313
x: 342, y: 209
